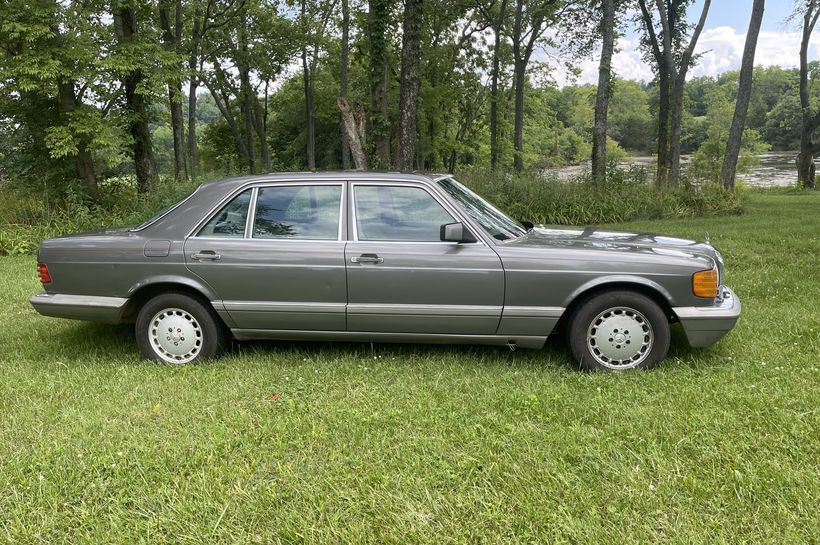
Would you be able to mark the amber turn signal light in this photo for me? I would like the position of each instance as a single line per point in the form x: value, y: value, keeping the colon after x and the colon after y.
x: 42, y: 272
x: 705, y: 283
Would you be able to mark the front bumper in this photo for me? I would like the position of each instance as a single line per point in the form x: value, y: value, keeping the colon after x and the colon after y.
x: 80, y: 307
x: 704, y: 326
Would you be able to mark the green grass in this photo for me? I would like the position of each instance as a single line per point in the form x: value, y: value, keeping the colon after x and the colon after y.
x: 348, y: 443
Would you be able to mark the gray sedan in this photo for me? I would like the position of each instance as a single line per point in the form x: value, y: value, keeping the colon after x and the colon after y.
x: 382, y: 257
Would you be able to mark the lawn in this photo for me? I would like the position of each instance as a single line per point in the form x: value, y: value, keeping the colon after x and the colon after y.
x: 353, y: 443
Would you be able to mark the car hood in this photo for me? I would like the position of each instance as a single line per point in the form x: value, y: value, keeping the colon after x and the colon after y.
x: 591, y: 238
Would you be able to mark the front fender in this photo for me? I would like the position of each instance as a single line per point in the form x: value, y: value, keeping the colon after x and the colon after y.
x: 620, y: 279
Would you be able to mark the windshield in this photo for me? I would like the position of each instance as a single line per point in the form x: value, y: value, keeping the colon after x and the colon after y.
x: 495, y: 222
x: 162, y: 212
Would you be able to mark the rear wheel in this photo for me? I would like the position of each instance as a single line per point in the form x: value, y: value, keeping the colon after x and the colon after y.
x: 177, y: 328
x: 617, y: 331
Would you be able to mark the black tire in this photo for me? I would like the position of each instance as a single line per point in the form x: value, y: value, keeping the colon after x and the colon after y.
x: 617, y: 331
x: 198, y: 333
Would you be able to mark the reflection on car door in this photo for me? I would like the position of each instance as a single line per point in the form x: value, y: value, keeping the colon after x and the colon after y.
x: 275, y: 257
x: 402, y: 279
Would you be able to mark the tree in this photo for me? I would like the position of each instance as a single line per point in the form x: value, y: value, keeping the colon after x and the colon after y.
x: 528, y: 27
x: 672, y: 57
x: 496, y: 19
x: 599, y: 128
x: 378, y: 22
x: 315, y: 19
x: 409, y: 88
x: 171, y: 38
x: 343, y: 69
x: 131, y: 58
x: 56, y: 91
x: 744, y: 93
x: 215, y: 16
x: 810, y: 118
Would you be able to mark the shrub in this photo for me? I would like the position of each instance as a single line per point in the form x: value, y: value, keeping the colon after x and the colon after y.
x: 27, y: 217
x: 626, y: 196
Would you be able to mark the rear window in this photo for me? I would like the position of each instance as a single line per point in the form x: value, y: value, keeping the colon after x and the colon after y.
x: 163, y: 212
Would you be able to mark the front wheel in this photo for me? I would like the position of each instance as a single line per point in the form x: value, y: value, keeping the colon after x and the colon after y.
x: 617, y: 331
x: 177, y: 328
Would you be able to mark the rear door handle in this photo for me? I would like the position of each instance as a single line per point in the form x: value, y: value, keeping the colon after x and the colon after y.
x: 367, y: 258
x: 206, y: 254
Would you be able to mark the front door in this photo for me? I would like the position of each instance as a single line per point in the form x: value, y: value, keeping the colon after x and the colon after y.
x: 275, y: 257
x: 402, y: 279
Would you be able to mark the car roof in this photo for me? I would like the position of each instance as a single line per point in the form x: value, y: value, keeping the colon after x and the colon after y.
x: 343, y: 175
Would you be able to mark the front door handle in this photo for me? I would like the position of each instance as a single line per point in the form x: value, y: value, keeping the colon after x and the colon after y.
x: 206, y: 254
x: 367, y: 258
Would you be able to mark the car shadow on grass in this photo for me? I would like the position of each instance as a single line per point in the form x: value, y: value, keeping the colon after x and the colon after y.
x: 551, y: 356
x: 106, y: 342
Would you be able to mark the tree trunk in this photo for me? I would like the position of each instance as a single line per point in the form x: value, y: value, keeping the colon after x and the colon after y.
x: 744, y: 93
x: 193, y: 85
x: 343, y: 66
x: 409, y: 89
x: 518, y: 85
x: 354, y: 125
x: 679, y: 82
x: 247, y: 98
x: 222, y: 101
x: 83, y: 161
x: 602, y: 93
x: 518, y: 122
x: 378, y: 18
x: 307, y: 78
x: 805, y: 160
x: 676, y: 120
x: 662, y: 176
x: 498, y: 28
x: 170, y: 39
x: 261, y: 126
x: 309, y: 118
x: 521, y: 57
x: 125, y: 23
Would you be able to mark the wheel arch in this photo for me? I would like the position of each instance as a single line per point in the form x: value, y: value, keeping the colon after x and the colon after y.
x: 654, y: 291
x: 145, y: 290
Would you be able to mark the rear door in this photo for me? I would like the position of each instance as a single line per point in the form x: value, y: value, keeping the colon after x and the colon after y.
x: 274, y: 254
x: 402, y: 279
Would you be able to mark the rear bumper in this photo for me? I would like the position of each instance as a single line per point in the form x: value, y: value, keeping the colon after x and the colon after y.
x: 704, y: 326
x: 80, y: 307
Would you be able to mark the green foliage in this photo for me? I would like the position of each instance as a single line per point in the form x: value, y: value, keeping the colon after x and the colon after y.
x: 708, y: 160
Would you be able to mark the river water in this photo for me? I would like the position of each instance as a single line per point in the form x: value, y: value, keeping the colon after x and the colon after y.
x: 775, y: 169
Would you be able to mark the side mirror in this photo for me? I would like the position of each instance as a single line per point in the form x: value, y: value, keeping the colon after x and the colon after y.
x: 528, y: 225
x: 456, y: 232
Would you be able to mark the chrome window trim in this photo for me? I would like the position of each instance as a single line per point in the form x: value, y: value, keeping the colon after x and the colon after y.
x: 407, y: 183
x: 261, y: 184
x: 495, y: 241
x: 251, y: 213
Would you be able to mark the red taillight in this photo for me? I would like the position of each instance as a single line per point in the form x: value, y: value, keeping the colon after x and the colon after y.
x: 42, y: 272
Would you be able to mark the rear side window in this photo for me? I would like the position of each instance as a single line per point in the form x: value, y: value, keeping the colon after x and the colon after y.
x: 230, y: 221
x: 298, y: 212
x: 398, y: 213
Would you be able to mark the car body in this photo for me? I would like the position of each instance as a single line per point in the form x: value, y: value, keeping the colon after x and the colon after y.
x: 380, y: 257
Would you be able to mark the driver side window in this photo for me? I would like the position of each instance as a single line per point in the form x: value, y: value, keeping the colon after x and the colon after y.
x: 398, y: 213
x: 230, y: 221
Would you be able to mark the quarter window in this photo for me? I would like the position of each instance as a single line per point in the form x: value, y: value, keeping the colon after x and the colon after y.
x: 230, y: 221
x: 299, y: 212
x: 398, y: 213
